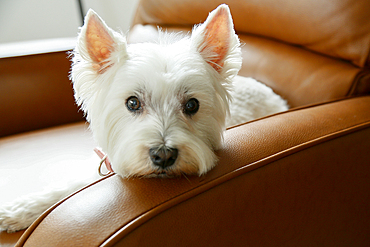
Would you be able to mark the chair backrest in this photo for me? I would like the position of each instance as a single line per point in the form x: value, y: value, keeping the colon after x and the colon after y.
x: 308, y: 51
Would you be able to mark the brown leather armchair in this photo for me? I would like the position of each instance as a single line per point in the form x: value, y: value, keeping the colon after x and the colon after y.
x: 298, y: 178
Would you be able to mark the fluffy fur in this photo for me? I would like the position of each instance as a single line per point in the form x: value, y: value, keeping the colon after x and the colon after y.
x: 181, y: 88
x: 164, y: 75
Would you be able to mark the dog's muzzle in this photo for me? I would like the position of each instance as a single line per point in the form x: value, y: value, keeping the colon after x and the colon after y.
x: 163, y: 157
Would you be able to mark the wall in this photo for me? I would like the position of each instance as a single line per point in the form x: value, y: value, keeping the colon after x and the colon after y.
x: 23, y: 20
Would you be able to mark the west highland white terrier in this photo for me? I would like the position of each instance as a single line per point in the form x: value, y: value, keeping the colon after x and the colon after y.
x: 157, y: 109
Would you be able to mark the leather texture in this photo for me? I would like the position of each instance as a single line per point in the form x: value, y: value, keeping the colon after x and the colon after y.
x: 36, y: 92
x: 317, y: 25
x: 300, y: 75
x: 287, y: 179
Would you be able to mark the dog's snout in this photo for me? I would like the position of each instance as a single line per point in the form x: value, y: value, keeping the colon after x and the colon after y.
x: 163, y: 157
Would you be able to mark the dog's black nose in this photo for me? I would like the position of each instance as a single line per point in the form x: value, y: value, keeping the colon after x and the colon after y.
x: 163, y: 157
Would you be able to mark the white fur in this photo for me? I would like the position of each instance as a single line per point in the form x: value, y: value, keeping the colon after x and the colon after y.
x: 21, y: 213
x: 163, y: 75
x: 252, y: 99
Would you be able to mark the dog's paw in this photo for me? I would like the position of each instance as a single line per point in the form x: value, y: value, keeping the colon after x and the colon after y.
x: 21, y: 213
x: 13, y: 219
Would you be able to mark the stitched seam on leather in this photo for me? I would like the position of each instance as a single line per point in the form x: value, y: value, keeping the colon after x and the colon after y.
x: 172, y: 202
x: 23, y: 239
x: 286, y: 152
x: 307, y: 144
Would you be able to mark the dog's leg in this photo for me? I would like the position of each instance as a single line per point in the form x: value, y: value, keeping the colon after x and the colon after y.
x: 22, y: 212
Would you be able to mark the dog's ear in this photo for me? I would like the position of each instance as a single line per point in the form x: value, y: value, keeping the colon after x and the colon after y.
x: 217, y: 42
x: 97, y: 43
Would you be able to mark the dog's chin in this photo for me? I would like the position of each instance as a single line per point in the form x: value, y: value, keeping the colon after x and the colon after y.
x: 163, y: 174
x: 178, y: 169
x: 171, y: 172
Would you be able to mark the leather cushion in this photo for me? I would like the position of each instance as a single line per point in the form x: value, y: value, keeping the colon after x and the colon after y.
x: 338, y: 28
x: 36, y: 92
x: 299, y: 75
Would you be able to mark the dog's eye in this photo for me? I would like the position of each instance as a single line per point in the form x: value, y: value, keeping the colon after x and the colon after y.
x: 133, y: 104
x: 191, y: 107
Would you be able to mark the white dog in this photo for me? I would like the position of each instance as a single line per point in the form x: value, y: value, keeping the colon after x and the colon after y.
x: 157, y: 109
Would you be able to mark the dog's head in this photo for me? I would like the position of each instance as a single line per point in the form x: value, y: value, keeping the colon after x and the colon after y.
x: 157, y: 108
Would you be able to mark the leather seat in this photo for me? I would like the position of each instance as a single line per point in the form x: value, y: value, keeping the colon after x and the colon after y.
x: 297, y: 178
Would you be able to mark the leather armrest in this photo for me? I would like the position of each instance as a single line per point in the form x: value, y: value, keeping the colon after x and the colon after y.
x: 297, y: 178
x: 35, y: 91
